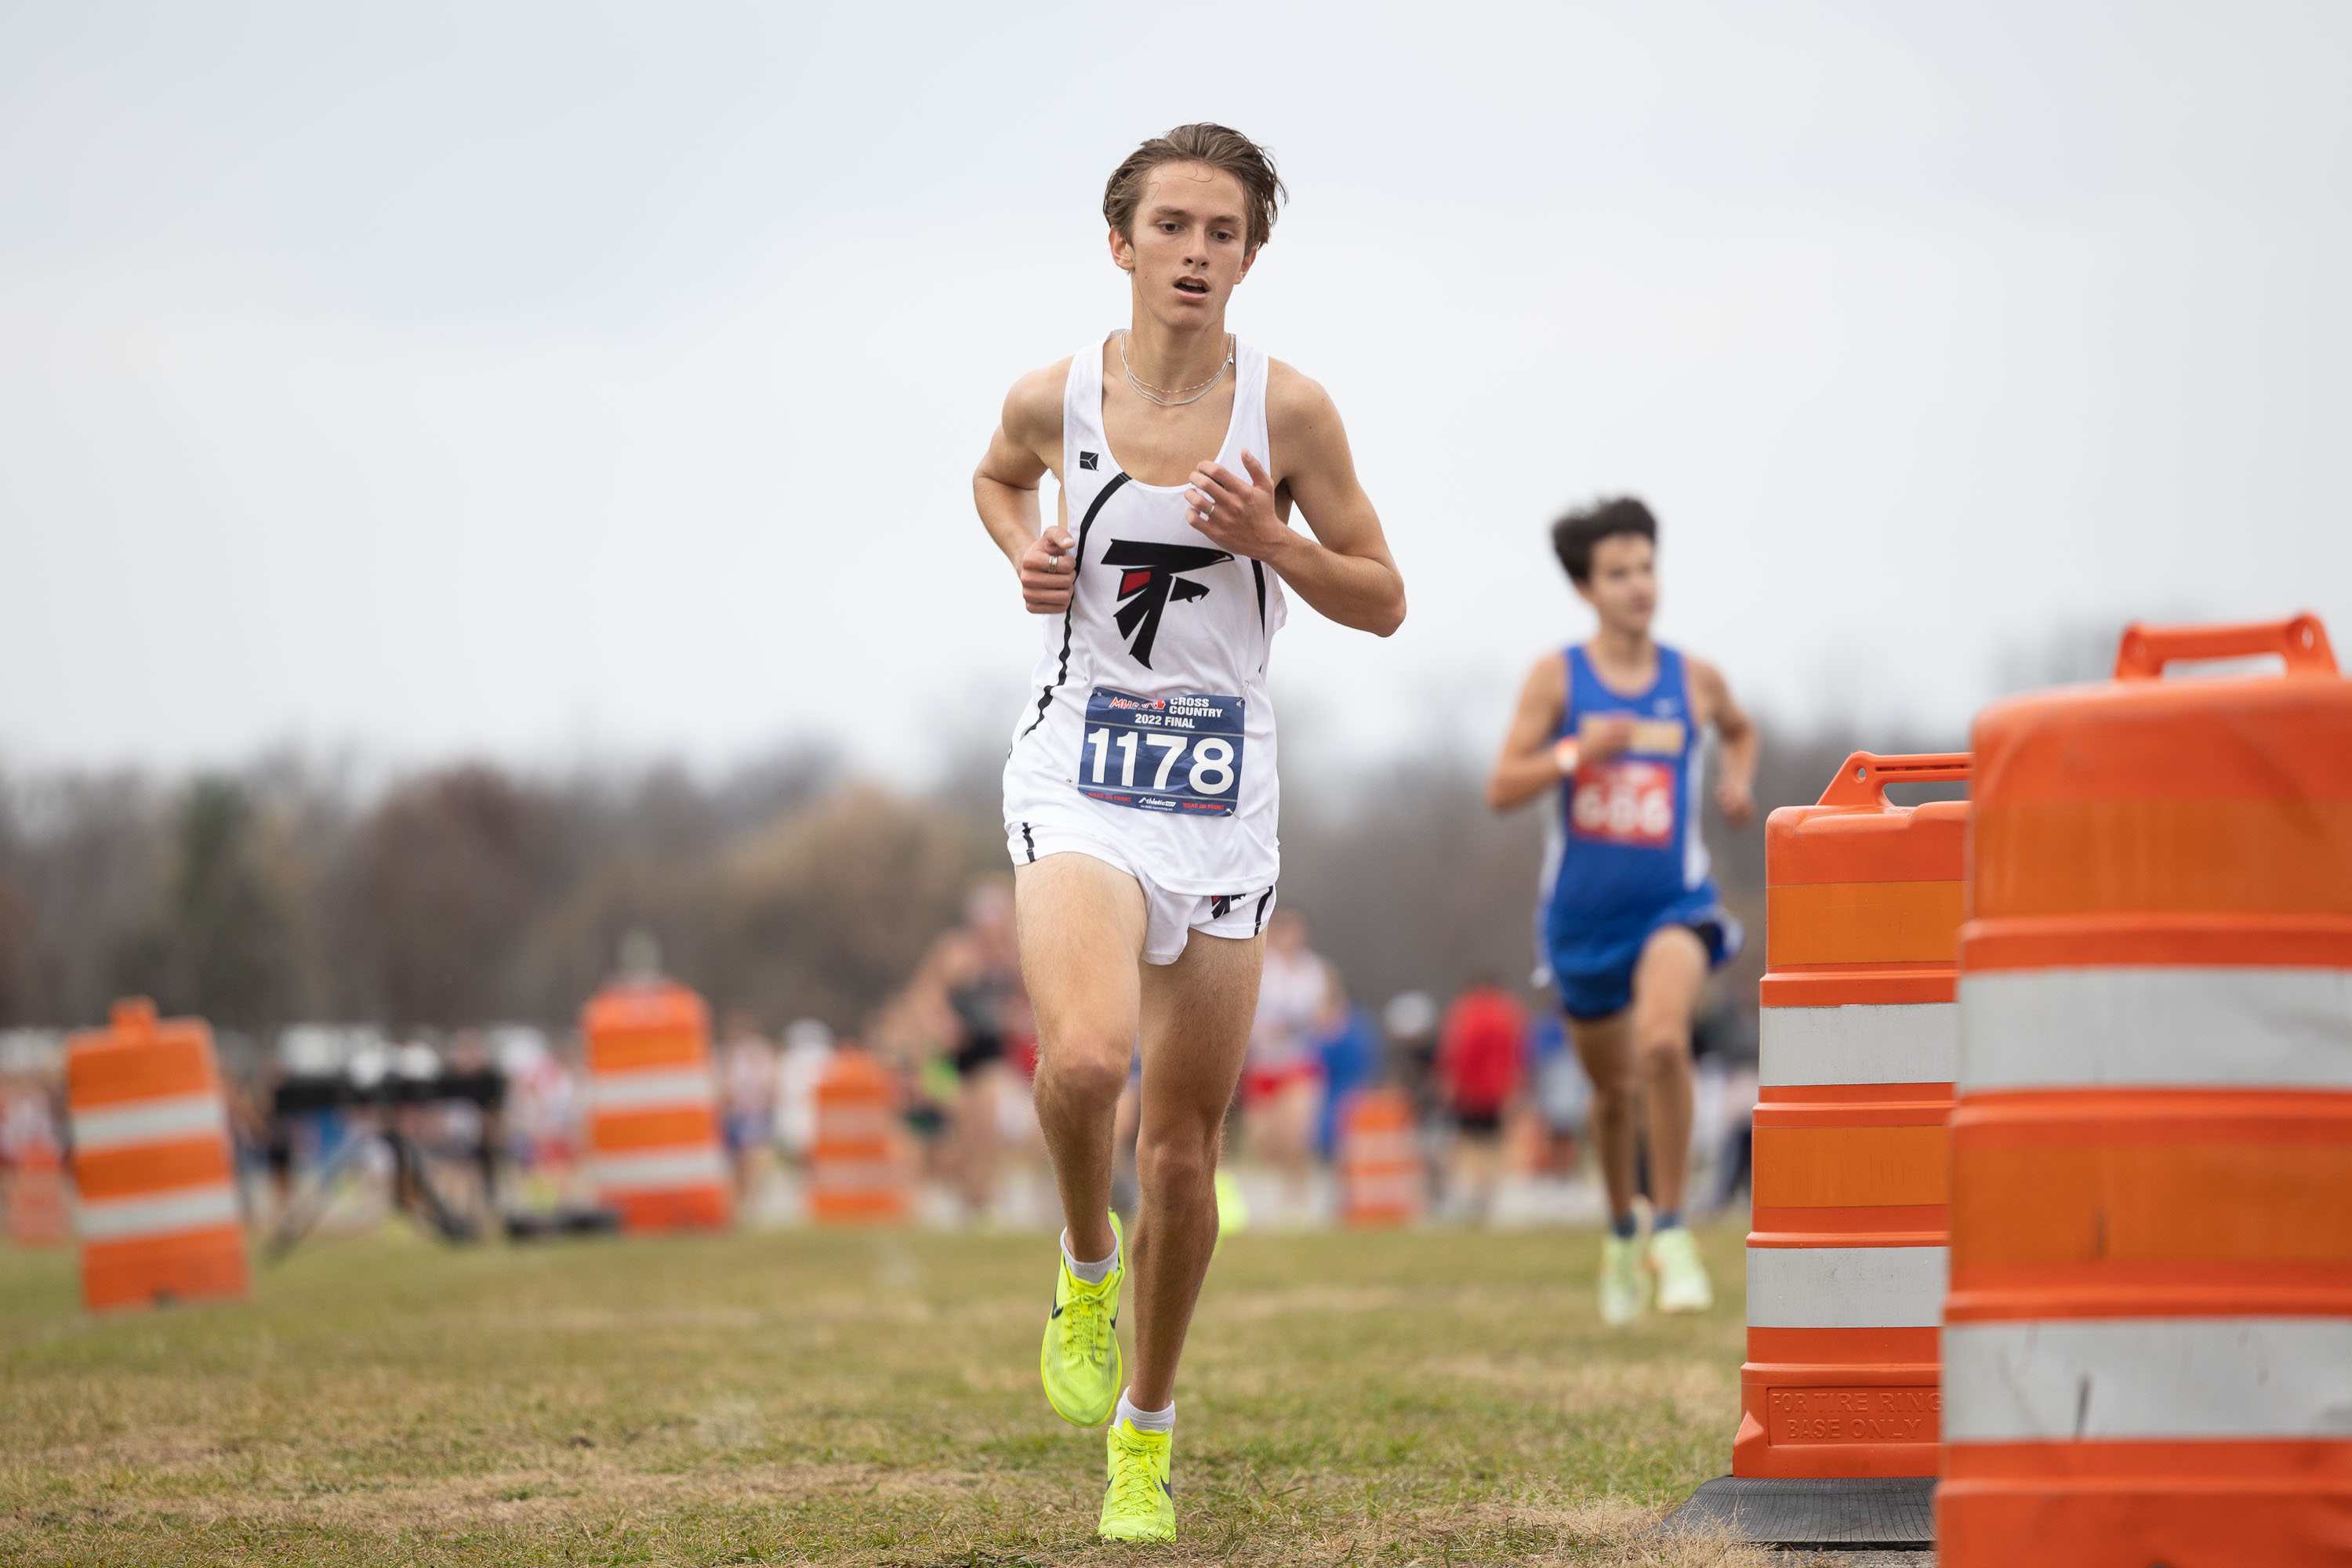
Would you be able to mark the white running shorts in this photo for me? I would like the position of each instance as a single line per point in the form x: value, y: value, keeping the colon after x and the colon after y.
x: 1168, y: 918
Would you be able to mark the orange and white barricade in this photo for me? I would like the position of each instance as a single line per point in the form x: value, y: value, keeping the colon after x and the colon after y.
x: 157, y: 1210
x: 855, y: 1174
x: 2147, y: 1347
x: 1859, y: 1042
x: 36, y: 1195
x: 654, y: 1148
x: 1382, y: 1178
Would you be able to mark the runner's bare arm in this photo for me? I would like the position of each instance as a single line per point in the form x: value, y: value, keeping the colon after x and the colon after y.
x: 1345, y: 570
x: 1027, y: 442
x: 1529, y: 764
x: 1734, y: 784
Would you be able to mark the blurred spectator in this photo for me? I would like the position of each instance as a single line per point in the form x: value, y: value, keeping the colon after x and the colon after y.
x: 977, y: 972
x: 1563, y: 1094
x: 808, y: 1051
x: 1411, y: 1020
x: 1349, y: 1043
x: 1282, y: 1079
x: 1479, y: 1072
x: 1725, y: 1041
x: 747, y: 1083
x: 542, y: 1118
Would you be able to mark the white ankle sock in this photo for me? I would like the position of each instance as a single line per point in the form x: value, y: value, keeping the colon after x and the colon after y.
x: 1092, y: 1273
x: 1144, y: 1420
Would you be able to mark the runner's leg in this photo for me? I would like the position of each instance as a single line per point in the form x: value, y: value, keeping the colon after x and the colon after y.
x: 1606, y: 1046
x: 1196, y: 1024
x: 1081, y: 923
x: 978, y: 1136
x: 1666, y: 982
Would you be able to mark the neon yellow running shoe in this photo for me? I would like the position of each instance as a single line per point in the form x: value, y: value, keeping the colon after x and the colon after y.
x: 1624, y: 1283
x: 1079, y: 1362
x: 1140, y: 1504
x: 1682, y: 1283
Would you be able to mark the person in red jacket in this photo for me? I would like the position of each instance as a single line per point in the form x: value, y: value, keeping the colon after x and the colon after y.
x: 1479, y: 1059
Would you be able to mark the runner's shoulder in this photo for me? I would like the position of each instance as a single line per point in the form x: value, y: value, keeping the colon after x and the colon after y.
x: 1710, y: 693
x: 1032, y: 409
x: 1296, y: 403
x: 1548, y: 673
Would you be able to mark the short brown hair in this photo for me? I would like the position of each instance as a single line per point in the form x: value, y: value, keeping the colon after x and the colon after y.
x: 1573, y: 536
x: 1221, y: 148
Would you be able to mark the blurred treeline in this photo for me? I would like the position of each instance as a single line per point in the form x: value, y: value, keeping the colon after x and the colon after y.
x: 793, y: 888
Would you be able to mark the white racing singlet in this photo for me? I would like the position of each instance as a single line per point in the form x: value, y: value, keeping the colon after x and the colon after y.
x: 1147, y: 731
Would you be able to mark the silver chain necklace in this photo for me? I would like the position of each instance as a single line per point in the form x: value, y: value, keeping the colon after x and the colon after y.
x: 1178, y: 398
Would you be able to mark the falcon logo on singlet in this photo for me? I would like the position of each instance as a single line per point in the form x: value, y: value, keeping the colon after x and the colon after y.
x: 1150, y: 577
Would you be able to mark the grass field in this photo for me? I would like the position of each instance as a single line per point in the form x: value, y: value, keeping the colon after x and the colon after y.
x: 1435, y: 1397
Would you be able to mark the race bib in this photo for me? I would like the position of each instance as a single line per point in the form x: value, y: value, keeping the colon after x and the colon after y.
x: 1181, y: 753
x: 1625, y: 801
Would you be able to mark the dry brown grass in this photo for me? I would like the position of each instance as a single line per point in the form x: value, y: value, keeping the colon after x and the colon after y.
x: 1432, y: 1398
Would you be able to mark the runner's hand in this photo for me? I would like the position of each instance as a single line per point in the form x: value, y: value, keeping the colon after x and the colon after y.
x: 1737, y: 801
x: 1602, y: 737
x: 1048, y: 572
x: 1237, y: 513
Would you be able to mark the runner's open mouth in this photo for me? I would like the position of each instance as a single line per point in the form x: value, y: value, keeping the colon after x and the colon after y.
x: 1191, y: 286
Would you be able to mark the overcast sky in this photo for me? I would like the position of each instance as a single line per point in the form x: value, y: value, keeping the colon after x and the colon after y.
x: 543, y: 382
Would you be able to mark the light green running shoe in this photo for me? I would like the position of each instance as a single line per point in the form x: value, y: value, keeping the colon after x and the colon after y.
x: 1624, y: 1283
x: 1079, y: 1362
x: 1140, y: 1504
x: 1682, y: 1283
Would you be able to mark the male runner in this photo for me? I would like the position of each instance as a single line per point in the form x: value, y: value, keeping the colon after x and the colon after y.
x: 1629, y: 919
x: 1139, y: 792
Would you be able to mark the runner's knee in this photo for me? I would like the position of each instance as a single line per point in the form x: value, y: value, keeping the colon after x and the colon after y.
x: 1176, y: 1162
x: 1090, y: 1069
x: 1663, y: 1047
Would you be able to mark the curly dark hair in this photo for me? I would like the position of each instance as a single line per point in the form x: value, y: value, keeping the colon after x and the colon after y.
x: 1573, y: 536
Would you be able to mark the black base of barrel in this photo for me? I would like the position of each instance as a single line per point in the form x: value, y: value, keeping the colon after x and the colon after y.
x: 1888, y: 1514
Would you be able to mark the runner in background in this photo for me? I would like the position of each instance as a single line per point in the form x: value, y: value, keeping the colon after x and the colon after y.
x: 1613, y: 731
x: 1282, y: 1078
x: 746, y: 1076
x: 1479, y: 1050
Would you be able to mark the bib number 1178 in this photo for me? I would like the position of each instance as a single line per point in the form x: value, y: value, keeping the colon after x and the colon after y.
x: 1178, y: 754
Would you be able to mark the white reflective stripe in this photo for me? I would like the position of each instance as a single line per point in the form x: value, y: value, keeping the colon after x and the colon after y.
x: 1916, y: 1042
x: 2069, y: 1378
x: 166, y: 1214
x: 2287, y: 1028
x: 650, y: 1172
x: 1847, y: 1287
x: 149, y: 1121
x: 649, y: 1090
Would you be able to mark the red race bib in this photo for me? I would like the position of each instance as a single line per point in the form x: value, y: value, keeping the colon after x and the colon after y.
x: 1622, y: 801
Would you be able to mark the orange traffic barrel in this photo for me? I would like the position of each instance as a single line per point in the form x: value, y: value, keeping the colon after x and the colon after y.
x: 2147, y: 1346
x: 855, y: 1176
x: 37, y: 1214
x: 157, y: 1212
x: 1859, y: 1044
x: 653, y: 1108
x: 1382, y: 1178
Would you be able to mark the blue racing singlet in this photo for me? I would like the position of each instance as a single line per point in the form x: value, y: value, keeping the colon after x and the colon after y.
x: 1624, y: 857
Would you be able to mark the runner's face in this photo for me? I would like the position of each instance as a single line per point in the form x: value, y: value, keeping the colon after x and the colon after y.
x: 1623, y: 586
x: 1189, y: 245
